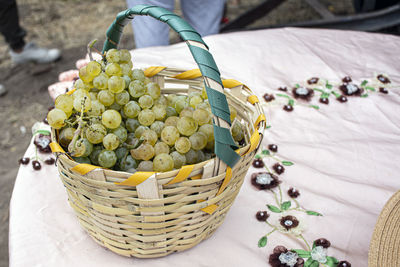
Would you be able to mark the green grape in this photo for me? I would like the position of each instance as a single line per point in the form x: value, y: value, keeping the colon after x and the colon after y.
x: 182, y: 145
x: 95, y: 133
x: 180, y: 104
x: 65, y: 103
x: 105, y: 97
x: 138, y: 74
x: 127, y: 164
x: 237, y: 131
x: 84, y: 75
x: 132, y: 109
x: 127, y: 80
x: 179, y: 159
x: 56, y: 118
x: 81, y: 85
x: 121, y: 133
x: 93, y: 68
x: 160, y: 148
x: 195, y: 100
x: 81, y: 148
x: 187, y: 112
x: 110, y: 141
x: 93, y: 95
x: 169, y: 135
x: 115, y: 106
x: 66, y: 136
x: 121, y: 152
x: 210, y: 145
x: 139, y: 130
x: 85, y: 160
x: 171, y: 111
x: 159, y: 111
x: 191, y: 157
x: 80, y: 93
x: 171, y: 99
x: 145, y: 101
x: 144, y: 152
x: 204, y: 93
x: 157, y: 127
x: 137, y: 88
x: 233, y: 112
x: 162, y: 100
x: 113, y: 55
x: 208, y: 130
x: 163, y: 162
x: 94, y: 156
x: 131, y: 125
x: 116, y: 84
x: 153, y: 90
x: 122, y: 98
x: 198, y: 140
x: 208, y: 156
x: 171, y: 121
x: 202, y: 116
x: 126, y: 69
x: 111, y: 119
x: 131, y: 139
x: 149, y: 136
x: 125, y: 56
x: 101, y: 81
x: 146, y: 117
x: 205, y: 105
x: 200, y: 156
x: 187, y: 126
x: 113, y: 69
x: 107, y: 158
x: 82, y: 103
x: 145, y: 166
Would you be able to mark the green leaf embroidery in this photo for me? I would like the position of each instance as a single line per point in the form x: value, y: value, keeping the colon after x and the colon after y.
x: 329, y: 86
x: 319, y: 90
x: 262, y: 242
x: 265, y: 152
x: 297, y: 85
x: 257, y: 156
x: 364, y: 83
x: 314, y: 106
x: 336, y: 94
x: 302, y: 253
x: 274, y: 209
x: 286, y: 205
x: 331, y: 261
x: 268, y: 126
x: 313, y: 245
x: 291, y: 102
x: 44, y: 132
x: 314, y: 213
x: 287, y: 163
x: 370, y: 88
x: 364, y: 95
x: 311, y: 263
x: 325, y: 95
x: 283, y: 95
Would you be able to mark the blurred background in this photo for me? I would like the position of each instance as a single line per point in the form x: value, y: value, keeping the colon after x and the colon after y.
x: 70, y: 24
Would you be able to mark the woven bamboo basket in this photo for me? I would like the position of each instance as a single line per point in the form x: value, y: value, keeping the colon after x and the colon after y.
x: 149, y: 214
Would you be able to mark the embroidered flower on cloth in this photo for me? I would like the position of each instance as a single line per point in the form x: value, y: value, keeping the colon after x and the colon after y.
x: 351, y: 89
x: 344, y: 264
x: 293, y: 192
x: 313, y: 80
x: 319, y: 254
x: 383, y: 79
x: 278, y: 168
x: 281, y: 257
x: 289, y: 224
x: 269, y: 97
x: 323, y: 242
x: 262, y: 216
x: 264, y: 180
x: 303, y: 93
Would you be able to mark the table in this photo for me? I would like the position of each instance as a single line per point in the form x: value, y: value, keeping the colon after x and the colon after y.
x: 345, y: 156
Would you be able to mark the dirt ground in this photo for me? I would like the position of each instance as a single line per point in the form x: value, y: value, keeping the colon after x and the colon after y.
x: 70, y: 25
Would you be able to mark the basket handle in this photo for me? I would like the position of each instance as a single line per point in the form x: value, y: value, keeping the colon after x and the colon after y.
x: 224, y: 143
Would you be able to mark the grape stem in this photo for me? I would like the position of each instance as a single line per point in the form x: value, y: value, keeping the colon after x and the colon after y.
x: 90, y: 48
x: 78, y: 131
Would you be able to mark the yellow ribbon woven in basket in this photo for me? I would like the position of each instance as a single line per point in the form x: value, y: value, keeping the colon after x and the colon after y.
x: 152, y: 71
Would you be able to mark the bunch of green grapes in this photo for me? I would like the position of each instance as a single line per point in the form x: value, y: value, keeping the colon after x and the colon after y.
x: 117, y: 118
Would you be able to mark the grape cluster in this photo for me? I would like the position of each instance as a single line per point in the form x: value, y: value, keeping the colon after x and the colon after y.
x: 117, y: 118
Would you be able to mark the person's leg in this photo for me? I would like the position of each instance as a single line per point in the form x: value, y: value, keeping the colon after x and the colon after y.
x: 204, y: 15
x: 149, y: 31
x: 9, y: 25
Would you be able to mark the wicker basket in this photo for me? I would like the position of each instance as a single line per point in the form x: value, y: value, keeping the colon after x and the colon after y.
x: 148, y: 214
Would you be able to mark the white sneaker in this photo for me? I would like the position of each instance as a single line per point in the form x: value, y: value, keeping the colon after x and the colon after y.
x: 31, y: 52
x: 3, y: 90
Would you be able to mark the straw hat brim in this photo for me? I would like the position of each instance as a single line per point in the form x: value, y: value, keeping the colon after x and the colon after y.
x: 385, y: 243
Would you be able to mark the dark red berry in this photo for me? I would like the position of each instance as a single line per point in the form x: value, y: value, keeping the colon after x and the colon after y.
x: 258, y: 163
x: 383, y: 79
x: 36, y: 165
x: 23, y: 161
x: 273, y: 147
x: 344, y: 264
x: 347, y: 79
x: 383, y: 90
x: 278, y: 168
x: 262, y: 216
x: 269, y: 97
x: 313, y: 80
x: 293, y: 193
x: 342, y: 99
x: 323, y: 242
x: 288, y: 108
x: 282, y: 89
x: 324, y: 100
x: 50, y: 161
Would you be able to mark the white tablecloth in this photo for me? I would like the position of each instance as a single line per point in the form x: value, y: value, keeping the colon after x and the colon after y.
x: 345, y: 156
